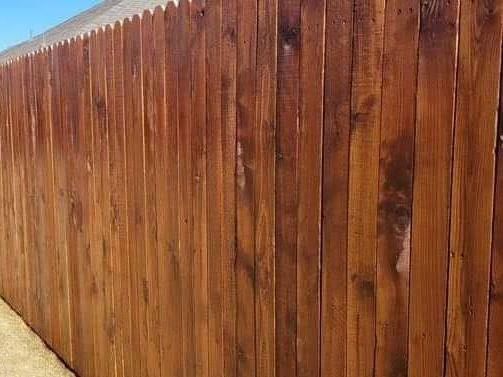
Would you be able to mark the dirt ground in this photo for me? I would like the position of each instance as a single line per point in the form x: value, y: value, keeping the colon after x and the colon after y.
x: 22, y: 353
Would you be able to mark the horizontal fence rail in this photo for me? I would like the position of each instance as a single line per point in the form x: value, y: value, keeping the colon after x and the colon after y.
x: 248, y: 188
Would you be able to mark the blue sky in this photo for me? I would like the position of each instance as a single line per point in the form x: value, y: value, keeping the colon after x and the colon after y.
x: 20, y: 17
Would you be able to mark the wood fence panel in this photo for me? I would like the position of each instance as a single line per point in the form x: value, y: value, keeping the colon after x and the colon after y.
x: 260, y: 188
x: 431, y: 191
x: 473, y: 187
x: 168, y: 186
x: 363, y: 189
x: 398, y: 115
x: 336, y: 138
x: 495, y: 340
x: 287, y: 136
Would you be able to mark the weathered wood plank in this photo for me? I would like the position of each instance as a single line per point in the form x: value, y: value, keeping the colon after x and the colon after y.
x: 363, y: 190
x: 167, y: 184
x: 229, y: 50
x: 135, y: 165
x: 473, y: 187
x: 310, y: 167
x: 246, y: 187
x: 287, y: 139
x: 495, y: 340
x: 265, y: 188
x: 214, y: 194
x: 431, y: 191
x: 152, y: 355
x: 337, y: 121
x: 395, y: 186
x: 199, y: 183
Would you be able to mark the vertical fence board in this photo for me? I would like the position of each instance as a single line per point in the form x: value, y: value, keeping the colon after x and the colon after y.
x: 337, y: 121
x: 495, y: 332
x: 431, y: 191
x: 101, y: 259
x: 229, y: 55
x: 246, y: 187
x: 260, y: 188
x: 395, y: 186
x: 363, y: 191
x: 214, y: 195
x: 473, y: 187
x: 18, y: 181
x: 185, y: 188
x: 33, y: 218
x: 168, y: 203
x: 309, y: 187
x: 119, y: 237
x: 287, y: 136
x: 150, y: 134
x: 198, y: 178
x: 135, y: 181
x: 265, y: 137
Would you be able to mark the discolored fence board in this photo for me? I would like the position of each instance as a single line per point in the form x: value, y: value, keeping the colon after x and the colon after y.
x: 494, y: 342
x: 365, y: 126
x: 262, y: 188
x: 398, y: 117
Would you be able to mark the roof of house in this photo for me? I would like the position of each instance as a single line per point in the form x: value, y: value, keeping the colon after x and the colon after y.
x: 105, y: 13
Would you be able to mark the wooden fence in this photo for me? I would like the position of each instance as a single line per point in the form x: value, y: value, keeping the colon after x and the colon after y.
x: 248, y: 188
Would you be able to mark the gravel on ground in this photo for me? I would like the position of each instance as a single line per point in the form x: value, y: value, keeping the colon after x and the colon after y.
x: 22, y: 352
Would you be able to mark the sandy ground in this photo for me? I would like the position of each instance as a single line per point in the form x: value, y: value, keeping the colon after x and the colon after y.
x: 22, y: 353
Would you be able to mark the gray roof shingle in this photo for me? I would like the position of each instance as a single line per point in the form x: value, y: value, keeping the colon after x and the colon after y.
x: 105, y: 13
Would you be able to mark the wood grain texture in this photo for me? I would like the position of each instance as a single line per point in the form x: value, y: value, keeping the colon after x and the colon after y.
x: 363, y: 192
x: 151, y: 226
x: 312, y: 43
x: 336, y: 132
x: 473, y: 187
x: 265, y: 136
x: 135, y: 183
x: 495, y: 330
x: 214, y: 193
x: 168, y: 199
x: 229, y: 71
x: 287, y: 160
x: 431, y: 191
x: 398, y: 116
x: 260, y: 188
x: 246, y: 188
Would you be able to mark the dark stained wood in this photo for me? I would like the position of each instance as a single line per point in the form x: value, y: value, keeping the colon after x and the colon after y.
x: 185, y: 188
x: 337, y: 120
x: 101, y: 259
x: 495, y: 332
x: 135, y: 170
x: 478, y: 75
x: 118, y: 196
x: 265, y: 138
x: 309, y: 185
x: 228, y: 55
x: 198, y: 176
x: 260, y: 188
x: 18, y: 145
x: 214, y: 193
x: 246, y: 188
x: 167, y: 184
x: 152, y: 272
x: 431, y: 191
x: 287, y: 136
x: 395, y: 186
x: 363, y: 190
